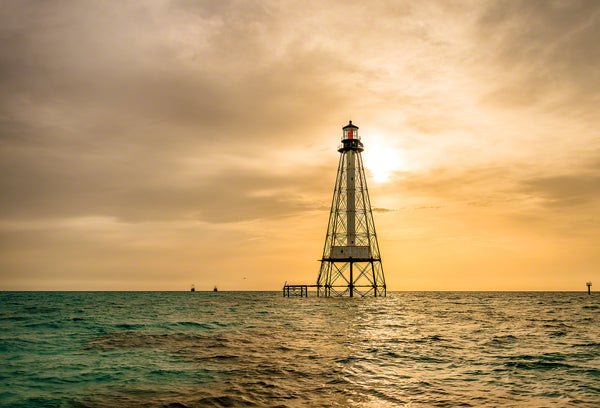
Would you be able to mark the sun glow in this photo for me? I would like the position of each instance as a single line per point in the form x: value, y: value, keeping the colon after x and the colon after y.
x: 382, y: 162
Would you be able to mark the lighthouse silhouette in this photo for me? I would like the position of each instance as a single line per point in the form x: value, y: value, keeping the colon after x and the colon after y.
x: 351, y: 263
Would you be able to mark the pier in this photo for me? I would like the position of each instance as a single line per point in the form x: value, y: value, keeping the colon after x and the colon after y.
x: 296, y: 290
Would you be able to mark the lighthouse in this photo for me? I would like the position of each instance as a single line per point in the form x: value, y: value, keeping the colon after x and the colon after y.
x: 351, y: 262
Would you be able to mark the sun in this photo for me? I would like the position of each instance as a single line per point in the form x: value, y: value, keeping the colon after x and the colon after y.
x: 382, y: 162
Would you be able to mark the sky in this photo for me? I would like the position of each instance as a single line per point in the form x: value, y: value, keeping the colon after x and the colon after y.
x: 151, y: 145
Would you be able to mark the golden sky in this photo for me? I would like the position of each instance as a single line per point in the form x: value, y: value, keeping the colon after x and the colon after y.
x: 151, y: 145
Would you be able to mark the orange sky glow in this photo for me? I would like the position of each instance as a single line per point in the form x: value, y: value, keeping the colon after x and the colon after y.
x: 158, y: 144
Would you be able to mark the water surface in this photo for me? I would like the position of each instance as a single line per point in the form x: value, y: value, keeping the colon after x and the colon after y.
x: 413, y: 349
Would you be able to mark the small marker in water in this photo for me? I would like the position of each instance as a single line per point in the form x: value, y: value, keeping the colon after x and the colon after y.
x: 589, y: 285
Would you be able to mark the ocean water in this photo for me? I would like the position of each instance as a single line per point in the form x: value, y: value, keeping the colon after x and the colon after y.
x: 244, y: 349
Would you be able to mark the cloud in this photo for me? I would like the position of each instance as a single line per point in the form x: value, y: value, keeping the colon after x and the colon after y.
x: 571, y: 190
x: 545, y: 52
x: 566, y: 191
x: 469, y: 184
x: 101, y: 102
x: 124, y: 65
x: 63, y: 186
x: 382, y: 210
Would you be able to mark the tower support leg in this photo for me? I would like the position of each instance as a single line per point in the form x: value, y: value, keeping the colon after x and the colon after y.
x: 351, y: 284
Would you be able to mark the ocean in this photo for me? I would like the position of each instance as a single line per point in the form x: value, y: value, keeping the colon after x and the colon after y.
x: 258, y: 349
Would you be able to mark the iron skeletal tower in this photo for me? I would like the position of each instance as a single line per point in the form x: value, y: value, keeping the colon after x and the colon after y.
x: 351, y: 263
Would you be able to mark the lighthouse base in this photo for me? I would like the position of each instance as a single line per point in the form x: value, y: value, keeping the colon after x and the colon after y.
x: 351, y: 277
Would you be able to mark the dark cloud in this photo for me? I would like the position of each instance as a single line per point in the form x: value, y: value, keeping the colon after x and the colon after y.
x: 471, y: 185
x: 564, y: 191
x: 382, y: 210
x: 573, y: 191
x: 546, y: 52
x: 101, y: 100
x: 91, y: 185
x: 232, y: 196
x: 493, y: 186
x: 209, y: 68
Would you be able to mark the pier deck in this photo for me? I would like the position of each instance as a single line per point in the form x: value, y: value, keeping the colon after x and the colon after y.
x: 296, y: 290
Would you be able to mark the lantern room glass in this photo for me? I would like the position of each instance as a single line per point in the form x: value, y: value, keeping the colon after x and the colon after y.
x: 351, y: 133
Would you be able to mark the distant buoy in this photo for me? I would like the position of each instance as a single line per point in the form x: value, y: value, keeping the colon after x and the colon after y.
x: 215, y: 289
x: 589, y: 285
x: 193, y: 289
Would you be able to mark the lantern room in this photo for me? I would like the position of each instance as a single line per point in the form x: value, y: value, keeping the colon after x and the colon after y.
x: 350, y: 132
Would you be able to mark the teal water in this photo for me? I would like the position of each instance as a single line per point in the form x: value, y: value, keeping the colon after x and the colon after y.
x: 230, y: 349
